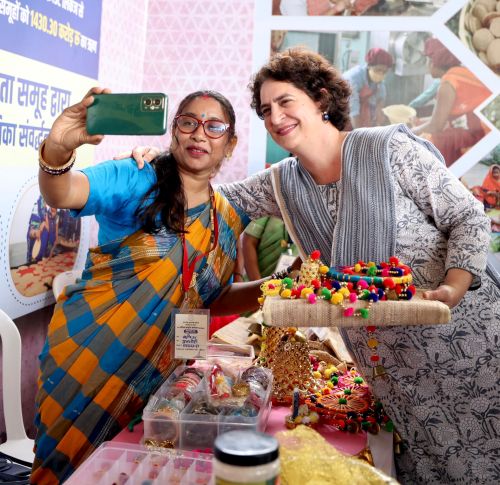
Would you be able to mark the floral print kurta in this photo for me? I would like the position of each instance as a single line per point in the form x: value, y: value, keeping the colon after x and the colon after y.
x: 442, y: 390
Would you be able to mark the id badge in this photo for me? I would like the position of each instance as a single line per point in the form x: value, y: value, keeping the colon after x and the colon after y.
x: 191, y: 333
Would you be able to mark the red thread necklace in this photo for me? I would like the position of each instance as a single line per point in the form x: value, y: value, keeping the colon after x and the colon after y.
x: 189, y: 275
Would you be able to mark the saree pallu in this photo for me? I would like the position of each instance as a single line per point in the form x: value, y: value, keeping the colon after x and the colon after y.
x: 470, y: 92
x: 109, y: 343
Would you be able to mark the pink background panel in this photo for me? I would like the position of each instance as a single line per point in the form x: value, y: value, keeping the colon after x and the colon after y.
x: 178, y: 47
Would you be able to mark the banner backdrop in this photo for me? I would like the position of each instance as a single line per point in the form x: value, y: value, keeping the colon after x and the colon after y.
x: 49, y: 53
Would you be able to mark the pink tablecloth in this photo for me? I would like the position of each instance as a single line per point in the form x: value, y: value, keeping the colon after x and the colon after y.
x: 345, y: 442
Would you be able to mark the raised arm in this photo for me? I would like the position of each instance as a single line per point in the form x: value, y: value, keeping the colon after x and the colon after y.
x: 69, y: 190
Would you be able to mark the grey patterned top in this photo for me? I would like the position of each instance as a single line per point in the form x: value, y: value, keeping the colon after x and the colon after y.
x: 435, y: 213
x: 442, y: 388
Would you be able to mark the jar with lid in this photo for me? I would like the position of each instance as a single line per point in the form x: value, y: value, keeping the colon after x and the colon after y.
x: 246, y: 457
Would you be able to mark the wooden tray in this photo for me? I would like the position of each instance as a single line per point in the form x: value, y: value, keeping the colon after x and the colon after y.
x: 279, y: 312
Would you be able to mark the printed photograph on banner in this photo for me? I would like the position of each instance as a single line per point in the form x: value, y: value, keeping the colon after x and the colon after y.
x: 477, y: 25
x: 400, y: 77
x: 483, y: 180
x: 43, y: 242
x: 492, y: 112
x: 357, y: 7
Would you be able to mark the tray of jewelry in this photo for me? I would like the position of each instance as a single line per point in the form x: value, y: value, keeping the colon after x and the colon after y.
x: 196, y: 404
x: 359, y: 295
x: 122, y: 463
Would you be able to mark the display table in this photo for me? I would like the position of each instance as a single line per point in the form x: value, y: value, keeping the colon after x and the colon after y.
x: 380, y: 445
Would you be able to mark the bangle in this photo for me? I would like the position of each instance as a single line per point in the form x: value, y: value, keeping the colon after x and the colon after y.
x: 51, y: 170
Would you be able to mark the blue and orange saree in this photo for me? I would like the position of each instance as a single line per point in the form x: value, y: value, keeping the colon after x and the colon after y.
x: 109, y: 343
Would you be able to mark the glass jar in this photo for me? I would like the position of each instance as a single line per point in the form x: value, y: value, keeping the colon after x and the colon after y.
x: 246, y: 457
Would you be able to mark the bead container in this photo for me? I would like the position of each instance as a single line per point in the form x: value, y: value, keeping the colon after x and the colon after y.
x: 120, y: 463
x: 195, y: 423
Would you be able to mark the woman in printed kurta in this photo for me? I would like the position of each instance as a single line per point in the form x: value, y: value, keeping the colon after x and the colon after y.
x: 370, y: 194
x: 109, y: 343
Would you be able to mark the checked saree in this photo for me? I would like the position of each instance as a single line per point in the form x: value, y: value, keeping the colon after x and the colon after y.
x: 110, y: 341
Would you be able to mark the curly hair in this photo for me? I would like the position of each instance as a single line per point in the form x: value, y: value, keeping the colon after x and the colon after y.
x: 165, y: 202
x: 311, y: 73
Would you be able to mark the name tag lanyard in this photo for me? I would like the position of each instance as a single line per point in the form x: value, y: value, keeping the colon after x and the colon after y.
x: 189, y: 275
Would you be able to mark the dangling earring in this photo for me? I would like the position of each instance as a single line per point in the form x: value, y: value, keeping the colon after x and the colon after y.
x: 325, y: 116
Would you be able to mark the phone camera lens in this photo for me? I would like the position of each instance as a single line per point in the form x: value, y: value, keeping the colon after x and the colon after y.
x: 157, y: 102
x: 147, y: 102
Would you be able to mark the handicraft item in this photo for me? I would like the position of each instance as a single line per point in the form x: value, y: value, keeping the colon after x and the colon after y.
x: 381, y: 293
x: 321, y: 392
x: 193, y: 406
x: 323, y: 296
x: 286, y: 353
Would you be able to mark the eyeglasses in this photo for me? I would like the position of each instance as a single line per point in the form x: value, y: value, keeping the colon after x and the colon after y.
x: 212, y: 128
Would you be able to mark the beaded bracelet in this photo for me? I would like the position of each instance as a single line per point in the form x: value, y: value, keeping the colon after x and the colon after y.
x: 44, y: 166
x: 373, y: 274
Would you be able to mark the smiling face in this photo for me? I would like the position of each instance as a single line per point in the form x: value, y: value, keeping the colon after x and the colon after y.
x: 195, y: 152
x: 290, y: 115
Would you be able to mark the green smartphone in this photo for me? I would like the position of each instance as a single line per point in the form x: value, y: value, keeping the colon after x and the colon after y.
x: 128, y: 114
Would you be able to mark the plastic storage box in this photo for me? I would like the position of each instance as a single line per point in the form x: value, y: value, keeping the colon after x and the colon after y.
x: 189, y: 430
x: 120, y: 464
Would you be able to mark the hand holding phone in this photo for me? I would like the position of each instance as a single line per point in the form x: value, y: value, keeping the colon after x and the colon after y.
x: 127, y: 114
x: 68, y: 132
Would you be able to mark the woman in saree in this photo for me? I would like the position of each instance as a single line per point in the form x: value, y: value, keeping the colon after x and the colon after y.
x: 166, y: 239
x: 367, y: 195
x: 37, y: 218
x: 453, y: 127
x: 263, y: 242
x: 489, y: 191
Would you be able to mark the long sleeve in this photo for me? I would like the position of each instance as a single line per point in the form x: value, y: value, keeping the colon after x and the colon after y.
x: 356, y: 77
x: 448, y: 205
x: 254, y: 195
